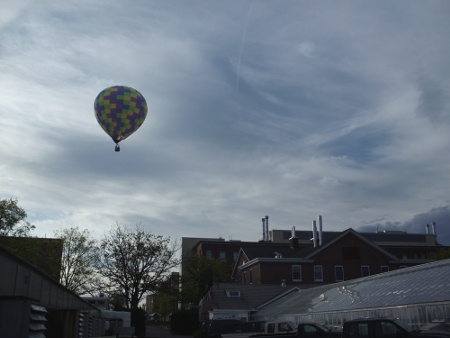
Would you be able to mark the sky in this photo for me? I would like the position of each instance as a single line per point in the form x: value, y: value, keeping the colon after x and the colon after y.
x: 289, y: 108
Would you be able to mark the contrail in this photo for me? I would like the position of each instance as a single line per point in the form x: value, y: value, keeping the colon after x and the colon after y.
x: 242, y: 45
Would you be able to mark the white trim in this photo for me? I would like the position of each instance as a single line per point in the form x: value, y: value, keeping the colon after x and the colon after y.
x: 300, y: 272
x: 335, y: 273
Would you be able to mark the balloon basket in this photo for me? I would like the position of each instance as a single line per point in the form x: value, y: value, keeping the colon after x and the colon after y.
x: 117, y: 148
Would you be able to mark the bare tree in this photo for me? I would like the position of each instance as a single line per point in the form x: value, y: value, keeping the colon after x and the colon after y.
x: 79, y: 260
x: 135, y: 262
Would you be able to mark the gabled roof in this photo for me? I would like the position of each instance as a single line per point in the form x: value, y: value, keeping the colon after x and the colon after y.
x: 268, y: 251
x: 344, y: 234
x: 250, y: 296
x: 282, y: 252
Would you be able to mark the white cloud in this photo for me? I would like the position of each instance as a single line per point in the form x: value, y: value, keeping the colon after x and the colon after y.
x: 254, y: 109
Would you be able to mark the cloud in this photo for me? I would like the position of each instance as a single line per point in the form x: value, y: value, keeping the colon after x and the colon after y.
x: 339, y: 110
x: 417, y: 224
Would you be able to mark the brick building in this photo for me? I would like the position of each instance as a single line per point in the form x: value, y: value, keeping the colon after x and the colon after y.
x: 348, y: 255
x: 308, y: 258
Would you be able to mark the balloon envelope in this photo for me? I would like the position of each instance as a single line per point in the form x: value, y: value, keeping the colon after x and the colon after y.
x: 120, y: 111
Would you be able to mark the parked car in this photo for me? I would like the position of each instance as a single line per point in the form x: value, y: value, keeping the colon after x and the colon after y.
x: 315, y: 330
x: 219, y: 327
x: 385, y: 328
x: 286, y: 329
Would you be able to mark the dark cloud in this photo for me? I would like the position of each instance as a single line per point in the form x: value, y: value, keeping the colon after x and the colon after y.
x: 417, y: 224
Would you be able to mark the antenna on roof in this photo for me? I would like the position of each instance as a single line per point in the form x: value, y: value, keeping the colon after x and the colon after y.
x: 314, y: 231
x: 264, y: 229
x: 320, y: 229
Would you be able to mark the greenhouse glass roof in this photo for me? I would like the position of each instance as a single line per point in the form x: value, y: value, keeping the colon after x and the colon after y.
x: 425, y: 283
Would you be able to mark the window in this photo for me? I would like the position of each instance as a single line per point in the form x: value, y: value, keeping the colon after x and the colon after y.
x: 365, y: 271
x: 360, y: 330
x: 310, y: 331
x: 251, y: 276
x: 388, y: 329
x: 339, y: 273
x: 245, y: 277
x: 223, y: 256
x: 296, y: 273
x: 384, y: 268
x: 318, y: 273
x: 233, y: 293
x: 284, y: 327
x: 208, y: 254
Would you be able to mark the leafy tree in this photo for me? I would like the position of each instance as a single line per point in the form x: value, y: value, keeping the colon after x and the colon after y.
x: 12, y: 219
x: 79, y: 258
x: 199, y: 273
x: 443, y: 253
x: 165, y: 301
x: 135, y: 262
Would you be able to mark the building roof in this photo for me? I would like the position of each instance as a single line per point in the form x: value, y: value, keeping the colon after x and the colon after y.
x: 250, y: 296
x: 271, y: 250
x: 386, y: 237
x: 425, y: 283
x: 346, y: 233
x: 283, y: 252
x: 38, y: 285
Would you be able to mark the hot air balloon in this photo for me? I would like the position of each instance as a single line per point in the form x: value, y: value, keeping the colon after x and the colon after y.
x: 120, y: 111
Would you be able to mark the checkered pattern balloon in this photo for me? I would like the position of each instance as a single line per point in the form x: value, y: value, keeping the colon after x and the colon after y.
x: 120, y: 111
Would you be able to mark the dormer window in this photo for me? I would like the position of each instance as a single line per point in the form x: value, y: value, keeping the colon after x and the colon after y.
x: 233, y: 294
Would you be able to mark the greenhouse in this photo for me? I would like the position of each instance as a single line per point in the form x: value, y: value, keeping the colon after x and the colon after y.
x: 419, y: 296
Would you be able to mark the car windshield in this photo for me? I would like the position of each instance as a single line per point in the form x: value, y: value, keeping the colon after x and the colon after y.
x: 323, y: 327
x: 405, y: 326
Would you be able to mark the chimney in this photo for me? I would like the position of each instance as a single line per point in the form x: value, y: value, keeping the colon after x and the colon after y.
x: 320, y: 230
x: 314, y: 231
x: 434, y: 228
x: 267, y: 228
x: 293, y: 240
x: 428, y: 229
x: 264, y: 229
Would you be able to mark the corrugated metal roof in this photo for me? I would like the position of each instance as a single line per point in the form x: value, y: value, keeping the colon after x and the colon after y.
x: 426, y: 283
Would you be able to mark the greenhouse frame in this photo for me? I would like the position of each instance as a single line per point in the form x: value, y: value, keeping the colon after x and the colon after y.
x: 419, y: 296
